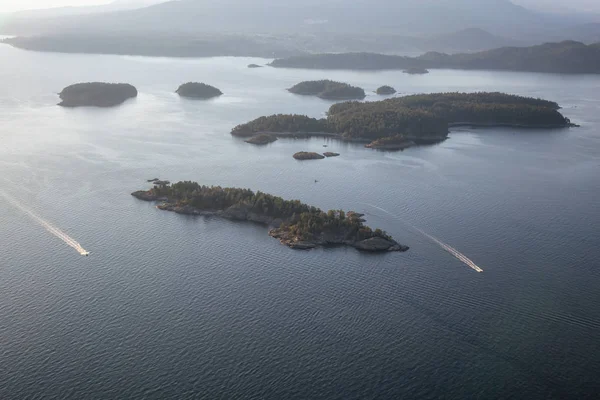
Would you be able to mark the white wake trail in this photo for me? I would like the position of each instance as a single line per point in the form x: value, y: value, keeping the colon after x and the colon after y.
x: 48, y: 226
x: 457, y: 254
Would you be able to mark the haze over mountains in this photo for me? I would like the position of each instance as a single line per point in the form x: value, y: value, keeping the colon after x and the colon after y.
x: 390, y: 26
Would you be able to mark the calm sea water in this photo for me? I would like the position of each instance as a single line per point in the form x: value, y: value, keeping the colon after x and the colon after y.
x: 174, y: 307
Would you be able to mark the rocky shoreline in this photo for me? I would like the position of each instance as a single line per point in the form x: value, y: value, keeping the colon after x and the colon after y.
x: 244, y: 213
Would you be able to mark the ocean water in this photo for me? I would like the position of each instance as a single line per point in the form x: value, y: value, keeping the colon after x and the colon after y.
x: 175, y: 307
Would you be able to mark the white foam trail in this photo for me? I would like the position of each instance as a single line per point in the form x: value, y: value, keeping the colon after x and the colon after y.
x: 457, y: 254
x: 48, y: 226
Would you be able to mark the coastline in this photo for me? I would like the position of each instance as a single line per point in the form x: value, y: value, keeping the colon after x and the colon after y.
x: 243, y: 213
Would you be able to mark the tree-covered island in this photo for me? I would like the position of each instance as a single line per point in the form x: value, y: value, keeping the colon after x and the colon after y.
x: 294, y: 223
x: 196, y: 90
x: 328, y: 90
x: 96, y: 94
x: 421, y: 118
x: 385, y: 90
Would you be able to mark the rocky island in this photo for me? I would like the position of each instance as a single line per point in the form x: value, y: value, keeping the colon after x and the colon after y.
x: 254, y: 66
x: 328, y: 90
x: 295, y: 224
x: 96, y: 94
x: 331, y: 154
x: 306, y: 155
x: 195, y: 90
x: 261, y: 139
x: 385, y: 90
x: 422, y: 118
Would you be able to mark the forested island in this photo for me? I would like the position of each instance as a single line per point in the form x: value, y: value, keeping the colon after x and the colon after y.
x: 96, y: 94
x: 385, y: 90
x: 196, y: 90
x: 328, y: 90
x: 295, y: 224
x: 565, y: 57
x: 423, y: 118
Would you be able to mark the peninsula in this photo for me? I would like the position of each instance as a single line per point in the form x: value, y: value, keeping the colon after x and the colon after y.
x: 421, y: 119
x: 295, y: 224
x: 96, y: 94
x: 328, y: 90
x: 197, y: 90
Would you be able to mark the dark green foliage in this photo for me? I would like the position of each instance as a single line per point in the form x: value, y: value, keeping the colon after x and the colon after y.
x: 430, y: 114
x: 421, y: 116
x: 198, y: 90
x: 281, y: 123
x: 327, y: 89
x: 301, y: 220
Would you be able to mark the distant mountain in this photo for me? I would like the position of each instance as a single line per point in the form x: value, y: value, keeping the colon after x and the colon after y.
x: 403, y: 17
x: 565, y: 57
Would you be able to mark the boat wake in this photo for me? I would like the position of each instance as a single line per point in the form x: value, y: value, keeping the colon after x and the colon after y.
x: 457, y: 254
x: 47, y: 225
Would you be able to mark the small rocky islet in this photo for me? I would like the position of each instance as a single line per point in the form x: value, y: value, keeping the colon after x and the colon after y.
x: 295, y: 224
x: 261, y: 139
x: 385, y: 90
x: 308, y: 155
x: 96, y: 94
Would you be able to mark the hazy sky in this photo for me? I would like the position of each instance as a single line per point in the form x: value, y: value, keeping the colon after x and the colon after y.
x: 13, y: 5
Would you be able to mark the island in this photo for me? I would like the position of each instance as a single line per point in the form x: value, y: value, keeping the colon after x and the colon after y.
x: 385, y: 90
x: 416, y: 71
x: 421, y: 118
x: 96, y: 94
x: 331, y: 154
x: 306, y: 155
x: 396, y: 142
x: 262, y: 139
x: 254, y: 66
x: 195, y: 90
x: 328, y: 90
x: 294, y: 223
x: 567, y: 57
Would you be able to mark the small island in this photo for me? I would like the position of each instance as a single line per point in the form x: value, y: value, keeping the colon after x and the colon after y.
x: 254, y: 66
x: 295, y: 224
x: 195, y: 90
x: 393, y: 143
x: 331, y: 154
x: 96, y: 94
x: 306, y: 155
x: 385, y: 90
x: 328, y: 90
x: 262, y: 139
x: 416, y: 71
